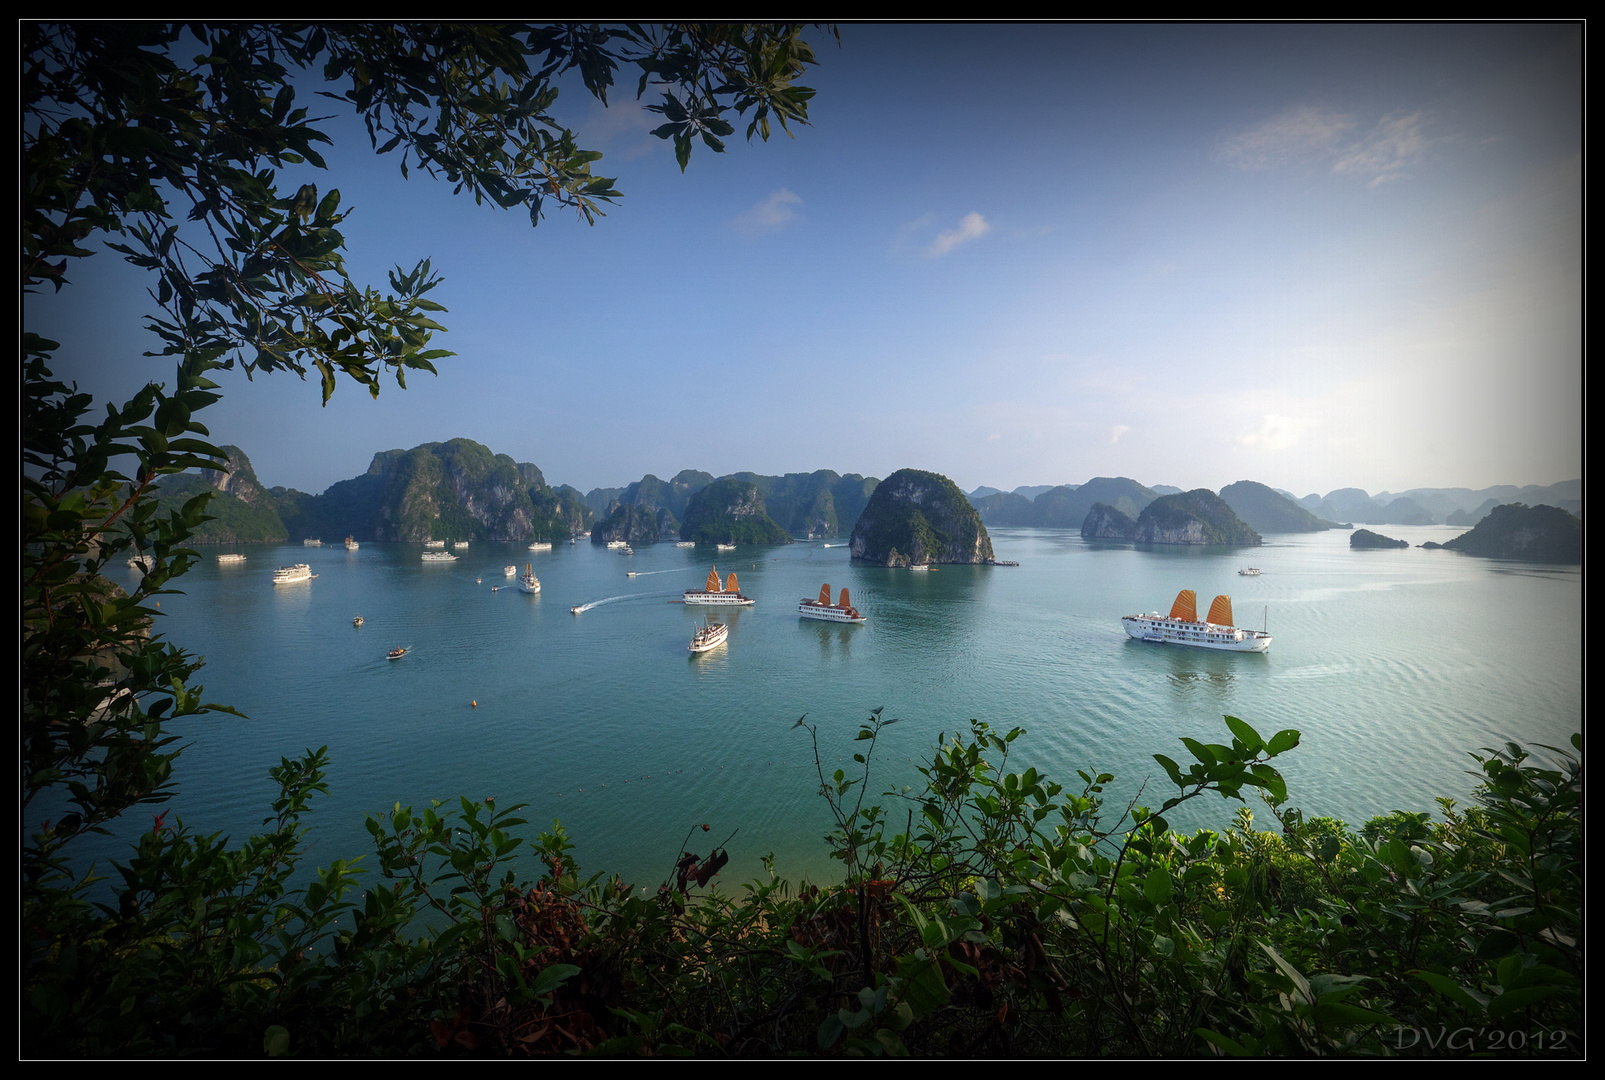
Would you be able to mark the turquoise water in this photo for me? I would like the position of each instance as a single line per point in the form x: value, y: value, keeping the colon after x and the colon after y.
x: 1392, y: 664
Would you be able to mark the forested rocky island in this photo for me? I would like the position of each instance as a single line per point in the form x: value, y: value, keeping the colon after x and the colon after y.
x: 918, y: 517
x: 1517, y: 531
x: 461, y: 489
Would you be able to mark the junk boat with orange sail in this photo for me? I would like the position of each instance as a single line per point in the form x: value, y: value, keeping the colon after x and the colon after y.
x: 824, y: 609
x: 1182, y: 626
x: 713, y: 593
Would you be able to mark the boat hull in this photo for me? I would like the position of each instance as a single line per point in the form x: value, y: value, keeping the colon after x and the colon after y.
x: 704, y: 641
x: 717, y: 599
x: 808, y: 609
x: 1158, y: 630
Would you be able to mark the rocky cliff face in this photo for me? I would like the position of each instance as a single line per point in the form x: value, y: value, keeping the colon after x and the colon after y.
x: 1193, y: 517
x: 633, y: 524
x: 919, y: 517
x: 730, y: 511
x: 1104, y: 522
x: 240, y: 479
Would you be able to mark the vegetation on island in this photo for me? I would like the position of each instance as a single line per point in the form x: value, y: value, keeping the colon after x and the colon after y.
x: 241, y: 512
x: 730, y: 511
x: 1266, y: 510
x: 1193, y: 517
x: 1365, y: 538
x: 1066, y: 506
x: 1518, y: 531
x: 1106, y: 523
x: 919, y: 517
x: 1007, y: 914
x: 634, y: 525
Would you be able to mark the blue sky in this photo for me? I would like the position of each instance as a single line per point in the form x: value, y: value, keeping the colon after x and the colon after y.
x: 1313, y: 256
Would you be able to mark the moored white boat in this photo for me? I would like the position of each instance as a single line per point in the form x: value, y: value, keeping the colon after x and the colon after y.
x: 1249, y: 571
x: 509, y: 571
x: 142, y: 563
x: 686, y: 543
x: 434, y: 543
x: 234, y: 557
x: 541, y: 545
x: 726, y: 595
x: 439, y: 556
x: 823, y: 609
x: 710, y: 636
x: 351, y: 544
x: 286, y: 575
x: 725, y: 547
x: 312, y: 543
x: 1183, y: 627
x: 459, y: 543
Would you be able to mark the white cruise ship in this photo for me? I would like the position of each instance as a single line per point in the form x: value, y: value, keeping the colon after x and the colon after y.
x: 439, y: 556
x: 143, y: 563
x: 541, y: 545
x: 1182, y: 626
x: 724, y: 547
x: 434, y: 543
x: 708, y: 637
x: 351, y: 544
x: 825, y: 610
x: 529, y: 582
x: 286, y: 575
x: 312, y: 543
x: 459, y: 543
x: 713, y: 593
x: 231, y: 558
x: 686, y: 543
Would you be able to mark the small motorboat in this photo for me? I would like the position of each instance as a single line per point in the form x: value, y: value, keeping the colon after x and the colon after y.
x: 509, y: 571
x: 1249, y: 571
x: 397, y: 654
x: 357, y: 621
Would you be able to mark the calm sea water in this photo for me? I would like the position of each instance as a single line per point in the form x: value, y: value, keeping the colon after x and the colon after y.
x: 1393, y: 664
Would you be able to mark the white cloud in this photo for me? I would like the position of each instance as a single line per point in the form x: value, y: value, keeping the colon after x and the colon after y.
x: 1397, y: 141
x: 1307, y: 135
x: 973, y: 227
x: 1297, y: 135
x: 1116, y: 432
x: 774, y: 213
x: 1275, y: 433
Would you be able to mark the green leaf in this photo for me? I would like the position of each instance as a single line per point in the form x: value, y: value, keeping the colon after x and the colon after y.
x: 276, y: 1041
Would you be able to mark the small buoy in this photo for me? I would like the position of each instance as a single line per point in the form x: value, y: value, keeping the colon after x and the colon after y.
x: 475, y: 704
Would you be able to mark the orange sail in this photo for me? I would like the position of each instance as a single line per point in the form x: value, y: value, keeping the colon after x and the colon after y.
x: 824, y: 595
x: 713, y: 581
x: 730, y: 585
x: 844, y: 602
x: 1185, y: 609
x: 1220, y: 611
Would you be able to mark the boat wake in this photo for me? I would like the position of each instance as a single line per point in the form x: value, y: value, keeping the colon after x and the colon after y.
x: 581, y: 608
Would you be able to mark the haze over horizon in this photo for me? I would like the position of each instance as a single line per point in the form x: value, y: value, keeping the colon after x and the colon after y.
x: 1314, y: 256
